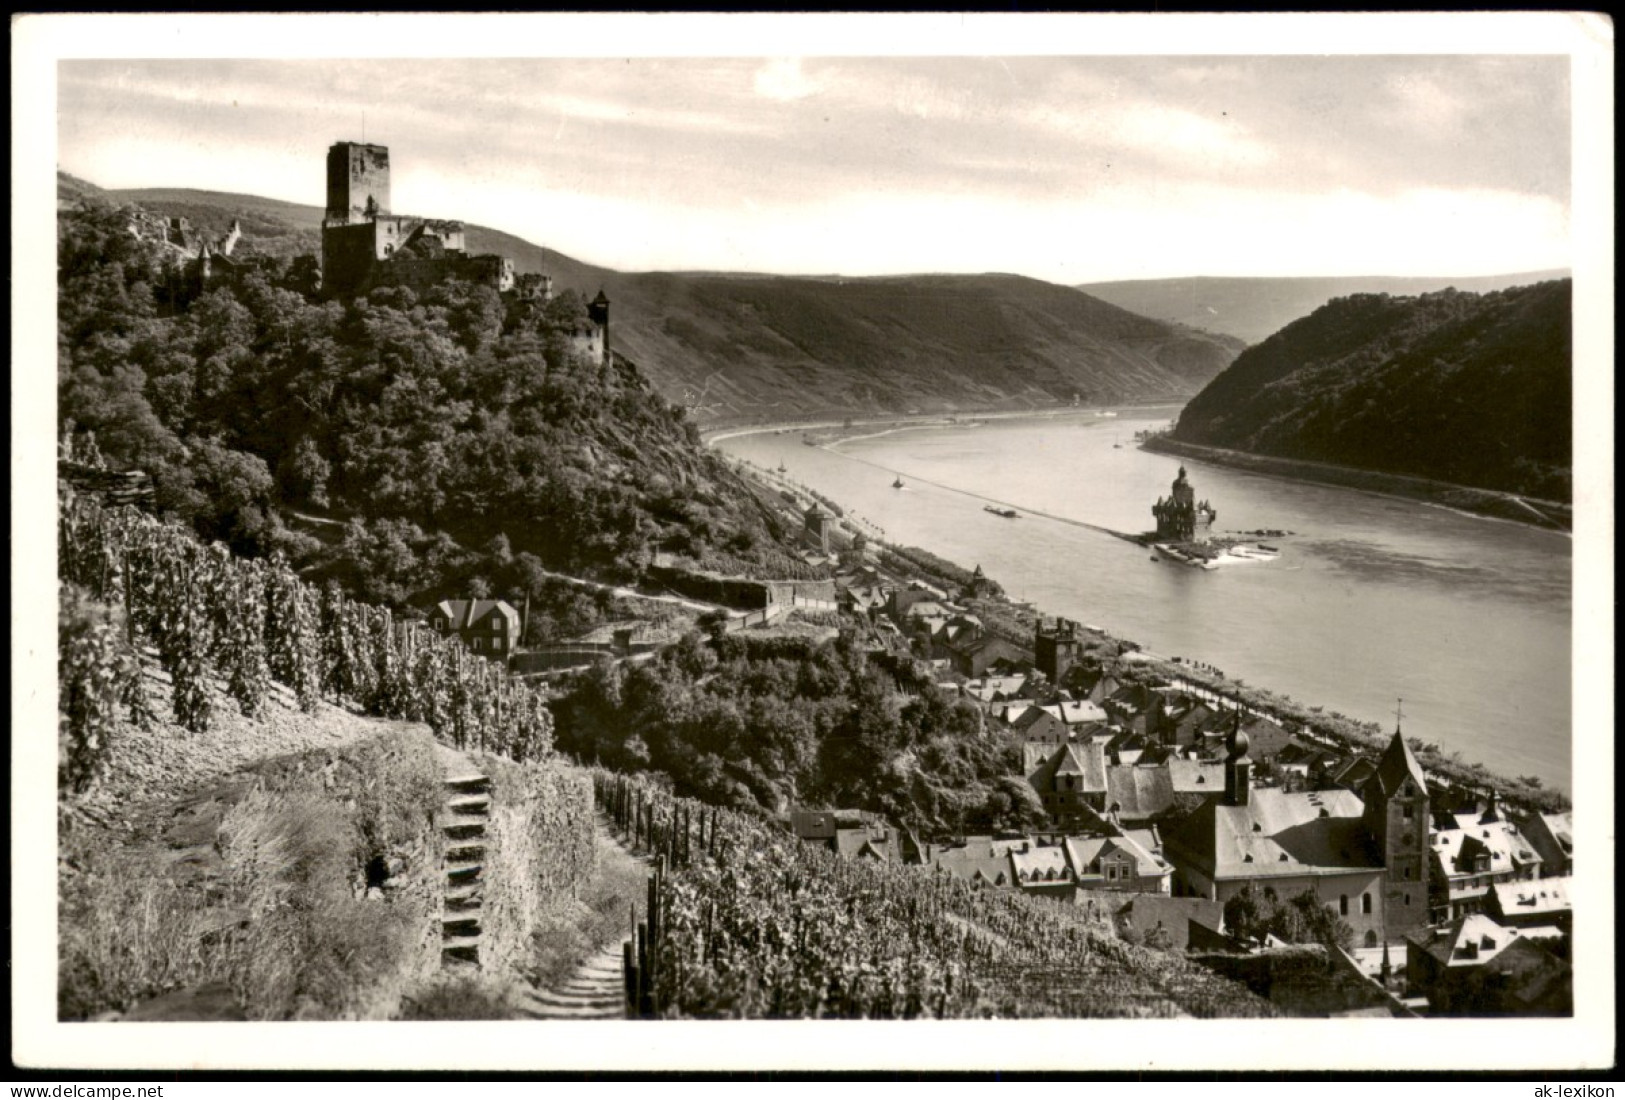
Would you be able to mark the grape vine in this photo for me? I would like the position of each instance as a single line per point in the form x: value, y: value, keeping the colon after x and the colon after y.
x: 221, y: 624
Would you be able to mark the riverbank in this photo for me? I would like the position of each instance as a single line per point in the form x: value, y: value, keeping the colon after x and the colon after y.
x: 1482, y: 502
x: 1333, y: 730
x: 850, y: 428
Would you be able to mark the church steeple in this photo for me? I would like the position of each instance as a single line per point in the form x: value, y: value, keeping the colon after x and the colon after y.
x: 1238, y: 769
x: 1396, y: 819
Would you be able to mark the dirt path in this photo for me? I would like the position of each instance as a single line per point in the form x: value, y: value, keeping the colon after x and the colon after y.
x: 596, y: 989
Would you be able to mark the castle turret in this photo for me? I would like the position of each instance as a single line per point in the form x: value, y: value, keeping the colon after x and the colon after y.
x: 598, y: 311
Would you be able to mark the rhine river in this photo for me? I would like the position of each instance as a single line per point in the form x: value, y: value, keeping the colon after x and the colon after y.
x: 1372, y: 599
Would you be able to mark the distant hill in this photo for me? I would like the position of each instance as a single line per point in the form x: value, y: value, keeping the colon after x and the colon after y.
x: 741, y: 347
x: 1473, y: 389
x: 1252, y: 309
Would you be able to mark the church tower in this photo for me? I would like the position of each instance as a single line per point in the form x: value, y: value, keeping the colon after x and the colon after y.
x: 357, y: 183
x: 1238, y: 768
x: 1396, y: 818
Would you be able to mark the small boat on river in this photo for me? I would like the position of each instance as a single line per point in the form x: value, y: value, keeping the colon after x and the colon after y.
x: 1007, y: 513
x: 898, y: 484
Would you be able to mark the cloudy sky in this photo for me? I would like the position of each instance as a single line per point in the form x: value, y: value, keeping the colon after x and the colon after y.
x: 1071, y: 169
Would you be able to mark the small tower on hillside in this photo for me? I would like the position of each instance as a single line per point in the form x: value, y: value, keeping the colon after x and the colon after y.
x: 1056, y: 649
x: 598, y: 312
x: 816, y: 527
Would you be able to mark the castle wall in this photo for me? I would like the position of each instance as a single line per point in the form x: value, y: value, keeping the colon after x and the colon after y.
x: 495, y: 272
x: 349, y: 254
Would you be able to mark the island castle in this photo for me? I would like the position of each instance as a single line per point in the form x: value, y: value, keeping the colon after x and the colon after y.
x: 1178, y: 515
x: 365, y: 246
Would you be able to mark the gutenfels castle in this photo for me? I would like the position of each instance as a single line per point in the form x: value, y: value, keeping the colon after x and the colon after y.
x: 365, y: 246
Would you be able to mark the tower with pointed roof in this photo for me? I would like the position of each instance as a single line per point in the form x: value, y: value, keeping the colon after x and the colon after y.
x: 1396, y: 818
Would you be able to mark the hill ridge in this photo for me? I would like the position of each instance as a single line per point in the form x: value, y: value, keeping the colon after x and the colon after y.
x: 747, y: 347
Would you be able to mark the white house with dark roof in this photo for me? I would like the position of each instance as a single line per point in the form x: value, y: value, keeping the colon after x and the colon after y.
x: 1117, y: 863
x: 1070, y: 781
x: 1474, y: 966
x: 1531, y: 903
x: 490, y: 628
x: 1474, y: 851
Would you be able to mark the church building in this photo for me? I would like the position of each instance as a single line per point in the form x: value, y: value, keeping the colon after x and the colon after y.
x: 1363, y: 856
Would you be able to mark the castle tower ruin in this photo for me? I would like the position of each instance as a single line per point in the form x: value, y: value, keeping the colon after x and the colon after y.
x: 598, y: 311
x: 357, y: 183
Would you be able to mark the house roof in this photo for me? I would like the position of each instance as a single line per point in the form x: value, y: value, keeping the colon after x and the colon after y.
x: 1084, y: 763
x: 1536, y: 897
x: 1045, y: 863
x: 1552, y: 835
x: 977, y: 857
x: 813, y: 824
x: 1275, y: 834
x: 1466, y: 942
x: 991, y: 643
x: 853, y: 843
x: 462, y: 614
x: 1355, y: 774
x: 1195, y: 776
x: 1037, y: 722
x: 1561, y: 826
x: 1148, y: 912
x: 1145, y: 838
x: 1268, y: 737
x: 1140, y: 793
x: 1085, y: 853
x: 1072, y: 712
x: 1460, y: 838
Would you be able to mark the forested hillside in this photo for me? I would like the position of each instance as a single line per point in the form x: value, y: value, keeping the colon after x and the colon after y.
x: 769, y: 724
x: 1465, y: 388
x: 457, y: 452
x: 1256, y: 308
x: 762, y: 347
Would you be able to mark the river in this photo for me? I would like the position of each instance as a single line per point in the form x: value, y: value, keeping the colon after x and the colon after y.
x: 1373, y: 599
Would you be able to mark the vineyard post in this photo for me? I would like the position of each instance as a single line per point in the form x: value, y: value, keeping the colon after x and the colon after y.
x: 643, y: 971
x: 629, y: 979
x: 129, y: 604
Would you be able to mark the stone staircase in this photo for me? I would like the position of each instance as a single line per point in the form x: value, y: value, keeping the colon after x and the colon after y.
x: 468, y: 808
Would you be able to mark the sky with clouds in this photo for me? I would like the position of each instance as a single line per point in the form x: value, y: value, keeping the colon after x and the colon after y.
x: 1071, y: 169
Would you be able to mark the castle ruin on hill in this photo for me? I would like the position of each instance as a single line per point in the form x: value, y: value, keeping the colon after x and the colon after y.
x: 365, y: 245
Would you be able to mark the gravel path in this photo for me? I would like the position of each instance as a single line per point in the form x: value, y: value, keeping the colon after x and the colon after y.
x: 597, y: 989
